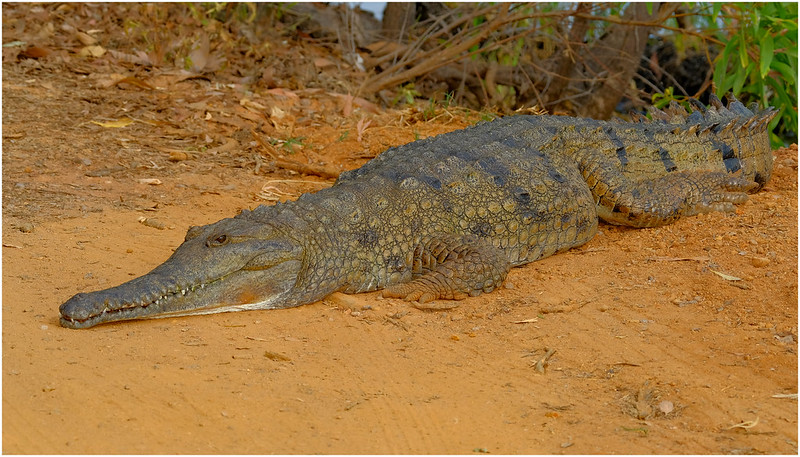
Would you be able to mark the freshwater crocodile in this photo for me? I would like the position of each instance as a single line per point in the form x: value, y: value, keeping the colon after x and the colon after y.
x: 448, y: 216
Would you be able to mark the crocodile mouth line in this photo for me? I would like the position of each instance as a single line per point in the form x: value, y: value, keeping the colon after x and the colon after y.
x: 128, y: 308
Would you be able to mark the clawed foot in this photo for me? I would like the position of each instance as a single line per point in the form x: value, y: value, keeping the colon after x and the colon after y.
x: 721, y: 192
x: 412, y: 292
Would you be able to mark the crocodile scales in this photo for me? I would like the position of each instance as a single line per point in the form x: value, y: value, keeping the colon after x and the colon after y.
x: 448, y: 216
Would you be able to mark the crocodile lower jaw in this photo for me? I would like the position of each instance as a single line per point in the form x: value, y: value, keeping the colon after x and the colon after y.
x: 136, y: 309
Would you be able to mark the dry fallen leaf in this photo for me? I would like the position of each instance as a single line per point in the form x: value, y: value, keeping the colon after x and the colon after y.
x: 276, y: 356
x: 249, y: 104
x: 138, y: 58
x: 347, y: 108
x: 151, y: 222
x: 367, y: 105
x: 759, y: 261
x: 745, y: 425
x: 34, y: 52
x: 362, y: 125
x: 676, y: 259
x: 277, y: 113
x: 85, y: 38
x: 282, y: 92
x: 790, y: 396
x: 348, y: 101
x: 124, y: 122
x: 92, y: 51
x: 177, y: 156
x: 321, y: 62
x: 200, y: 55
x: 383, y: 48
x: 202, y: 60
x: 666, y: 406
x: 726, y: 277
x: 134, y: 82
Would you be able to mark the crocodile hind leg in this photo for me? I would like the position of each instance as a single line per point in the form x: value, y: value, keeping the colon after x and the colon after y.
x: 652, y: 202
x: 452, y: 267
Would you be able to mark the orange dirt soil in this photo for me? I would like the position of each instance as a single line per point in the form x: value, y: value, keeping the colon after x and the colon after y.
x: 632, y: 343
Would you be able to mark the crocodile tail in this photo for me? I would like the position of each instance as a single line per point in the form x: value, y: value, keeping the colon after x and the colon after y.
x: 745, y: 132
x: 739, y: 133
x: 716, y: 117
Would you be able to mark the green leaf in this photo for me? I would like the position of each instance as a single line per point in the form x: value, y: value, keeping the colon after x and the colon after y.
x: 715, y: 9
x: 767, y: 47
x: 789, y: 74
x: 786, y: 101
x: 730, y: 46
x: 741, y: 77
x: 790, y: 49
x: 719, y: 77
x: 727, y: 84
x: 743, y: 59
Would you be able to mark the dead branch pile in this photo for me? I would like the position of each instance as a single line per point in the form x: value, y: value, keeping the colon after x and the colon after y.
x: 581, y: 58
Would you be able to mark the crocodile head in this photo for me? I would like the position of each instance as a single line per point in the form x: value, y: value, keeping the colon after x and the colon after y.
x: 234, y: 264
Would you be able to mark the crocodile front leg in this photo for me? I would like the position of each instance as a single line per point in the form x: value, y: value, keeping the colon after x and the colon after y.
x: 452, y: 267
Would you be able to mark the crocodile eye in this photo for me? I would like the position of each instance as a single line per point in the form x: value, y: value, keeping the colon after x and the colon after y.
x: 220, y: 240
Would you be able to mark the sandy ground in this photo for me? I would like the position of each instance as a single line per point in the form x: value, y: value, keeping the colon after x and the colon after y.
x: 631, y: 344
